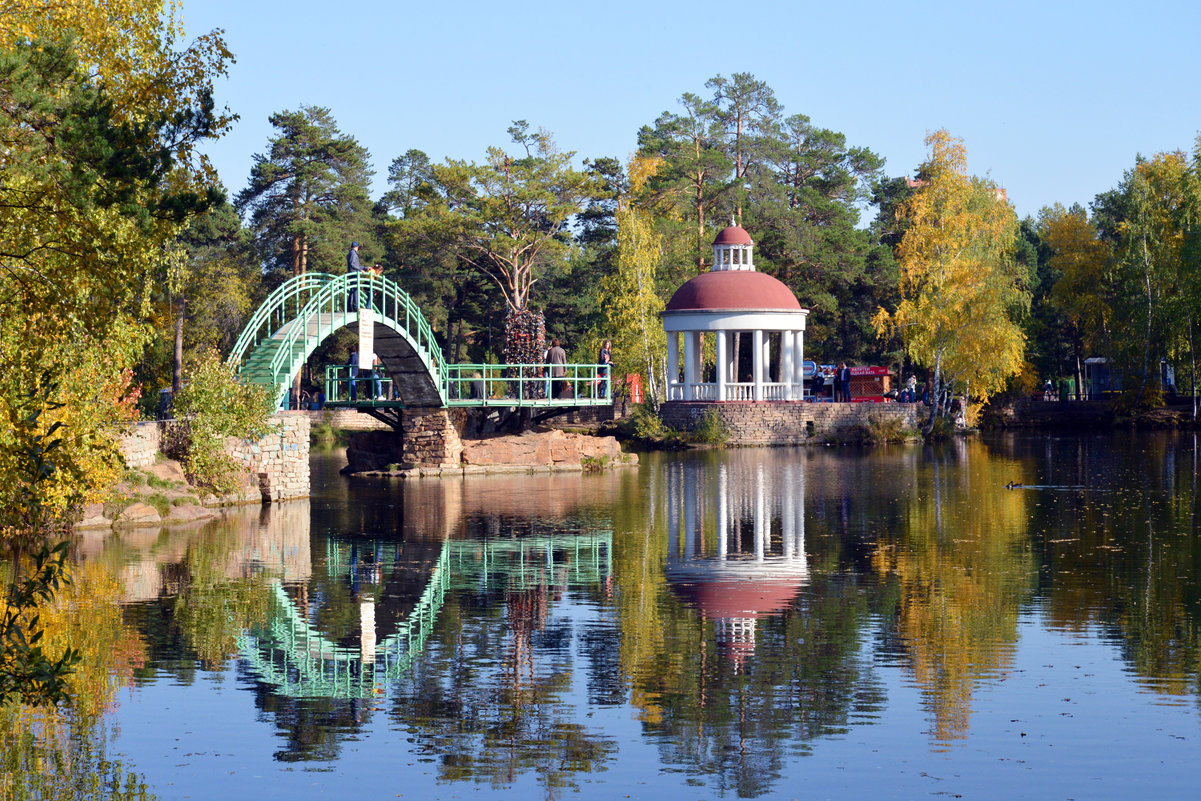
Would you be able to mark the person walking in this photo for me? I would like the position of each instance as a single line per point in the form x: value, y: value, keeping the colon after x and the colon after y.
x: 352, y: 267
x: 377, y: 378
x: 557, y: 358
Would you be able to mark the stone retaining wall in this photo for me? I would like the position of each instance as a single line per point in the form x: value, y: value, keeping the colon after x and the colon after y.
x: 278, y: 464
x: 787, y: 423
x: 280, y: 460
x: 142, y: 443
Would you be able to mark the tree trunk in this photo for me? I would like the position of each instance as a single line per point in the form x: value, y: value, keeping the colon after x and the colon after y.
x: 181, y: 307
x: 935, y: 394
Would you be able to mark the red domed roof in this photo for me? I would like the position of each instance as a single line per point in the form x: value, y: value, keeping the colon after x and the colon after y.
x: 733, y: 235
x: 733, y: 289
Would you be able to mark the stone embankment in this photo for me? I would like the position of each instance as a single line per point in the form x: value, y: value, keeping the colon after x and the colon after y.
x: 789, y: 423
x: 533, y: 451
x: 155, y: 490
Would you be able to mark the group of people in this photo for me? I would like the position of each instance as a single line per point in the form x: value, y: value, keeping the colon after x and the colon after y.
x: 374, y: 375
x: 840, y: 381
x: 911, y: 393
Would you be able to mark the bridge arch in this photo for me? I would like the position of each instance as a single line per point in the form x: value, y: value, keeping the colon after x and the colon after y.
x: 307, y: 309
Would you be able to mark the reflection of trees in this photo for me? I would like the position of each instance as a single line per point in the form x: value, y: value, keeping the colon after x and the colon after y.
x: 487, y: 697
x: 1123, y: 552
x: 960, y: 560
x: 736, y: 719
x: 61, y: 752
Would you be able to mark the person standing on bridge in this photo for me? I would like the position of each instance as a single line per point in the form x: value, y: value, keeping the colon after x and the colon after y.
x: 353, y: 266
x: 605, y: 360
x: 557, y: 358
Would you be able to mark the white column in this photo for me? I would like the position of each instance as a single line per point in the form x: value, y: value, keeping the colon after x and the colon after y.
x: 722, y: 368
x: 690, y: 532
x: 673, y: 360
x: 798, y: 358
x: 786, y: 371
x: 762, y: 524
x: 787, y: 513
x: 757, y: 350
x: 689, y: 364
x: 673, y: 513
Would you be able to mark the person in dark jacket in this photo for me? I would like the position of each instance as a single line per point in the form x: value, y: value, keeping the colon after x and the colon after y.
x: 844, y: 382
x: 353, y: 266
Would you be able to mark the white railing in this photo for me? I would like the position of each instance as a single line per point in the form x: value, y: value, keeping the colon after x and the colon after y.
x: 742, y: 391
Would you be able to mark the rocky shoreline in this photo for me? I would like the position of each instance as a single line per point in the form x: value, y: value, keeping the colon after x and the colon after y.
x: 376, y: 453
x: 158, y: 495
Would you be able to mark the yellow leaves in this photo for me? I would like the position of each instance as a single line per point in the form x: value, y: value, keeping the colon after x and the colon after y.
x: 959, y: 284
x: 641, y: 169
x: 1081, y: 258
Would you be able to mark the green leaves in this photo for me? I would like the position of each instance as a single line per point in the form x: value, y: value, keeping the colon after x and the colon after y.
x: 307, y: 195
x: 508, y: 216
x: 216, y: 405
x: 27, y: 674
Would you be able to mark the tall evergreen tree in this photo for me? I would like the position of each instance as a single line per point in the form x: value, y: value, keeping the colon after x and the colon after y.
x: 308, y: 195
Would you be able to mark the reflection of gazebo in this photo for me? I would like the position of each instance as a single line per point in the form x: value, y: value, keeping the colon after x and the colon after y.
x: 733, y: 298
x: 728, y: 577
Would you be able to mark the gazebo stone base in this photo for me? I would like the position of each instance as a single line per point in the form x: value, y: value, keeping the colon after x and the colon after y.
x: 787, y: 422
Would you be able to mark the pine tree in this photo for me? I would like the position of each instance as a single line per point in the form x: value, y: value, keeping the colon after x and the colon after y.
x: 308, y: 195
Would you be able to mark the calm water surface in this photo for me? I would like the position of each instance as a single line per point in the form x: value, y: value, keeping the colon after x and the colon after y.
x: 778, y: 623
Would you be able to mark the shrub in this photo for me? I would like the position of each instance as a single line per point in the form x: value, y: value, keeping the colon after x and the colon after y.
x: 217, y: 405
x: 710, y: 429
x: 645, y: 423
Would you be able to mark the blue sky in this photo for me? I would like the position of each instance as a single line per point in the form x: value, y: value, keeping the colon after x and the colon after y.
x: 1054, y: 100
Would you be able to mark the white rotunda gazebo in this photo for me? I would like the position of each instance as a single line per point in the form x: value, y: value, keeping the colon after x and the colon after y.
x: 733, y: 298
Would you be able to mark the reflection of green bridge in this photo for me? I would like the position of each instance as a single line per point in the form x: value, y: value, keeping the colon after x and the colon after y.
x: 291, y: 655
x: 307, y: 309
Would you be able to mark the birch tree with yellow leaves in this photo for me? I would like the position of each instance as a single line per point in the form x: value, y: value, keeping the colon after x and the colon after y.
x: 961, y: 291
x: 630, y: 301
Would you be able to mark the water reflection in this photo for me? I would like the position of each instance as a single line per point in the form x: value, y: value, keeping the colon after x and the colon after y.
x: 744, y: 608
x: 741, y: 554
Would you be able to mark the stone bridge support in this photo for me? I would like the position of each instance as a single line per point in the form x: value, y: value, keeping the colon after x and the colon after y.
x: 428, y: 437
x: 431, y: 437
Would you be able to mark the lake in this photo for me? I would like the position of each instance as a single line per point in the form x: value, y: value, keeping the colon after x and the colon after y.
x: 883, y: 623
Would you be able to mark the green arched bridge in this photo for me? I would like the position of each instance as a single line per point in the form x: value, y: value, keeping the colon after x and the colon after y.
x: 307, y: 309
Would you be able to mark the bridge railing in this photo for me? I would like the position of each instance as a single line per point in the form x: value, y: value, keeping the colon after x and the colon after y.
x: 283, y: 305
x: 527, y: 385
x: 330, y: 309
x: 339, y: 381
